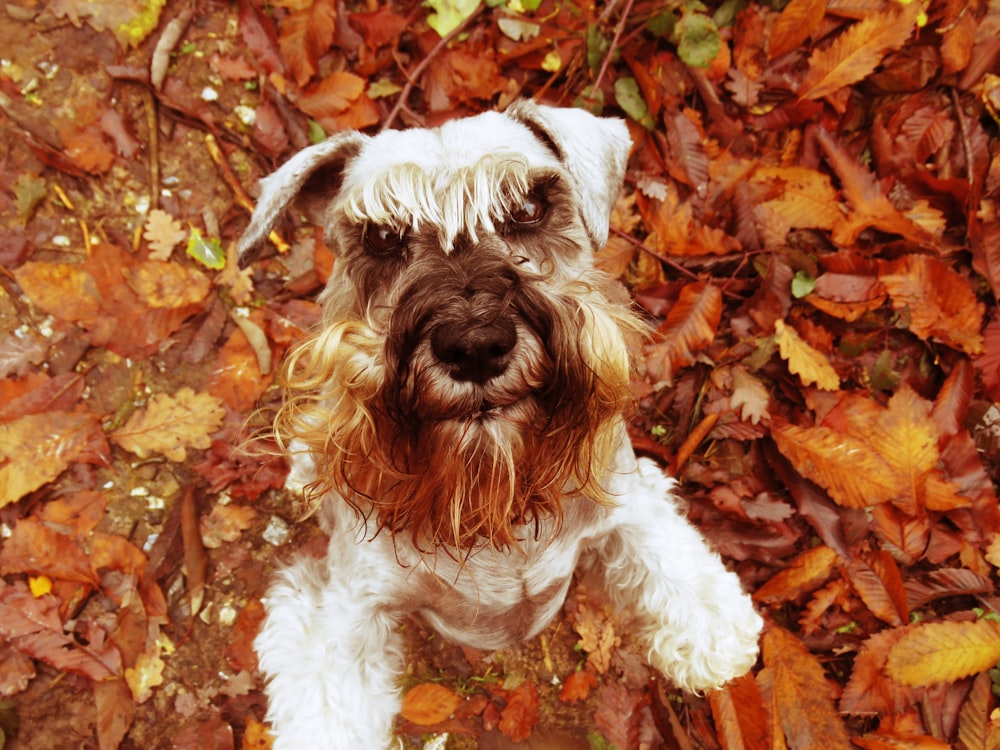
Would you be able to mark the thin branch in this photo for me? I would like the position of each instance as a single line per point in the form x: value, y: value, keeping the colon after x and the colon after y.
x: 614, y: 45
x: 412, y: 78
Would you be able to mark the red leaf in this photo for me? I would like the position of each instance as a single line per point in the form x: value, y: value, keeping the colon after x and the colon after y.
x: 880, y: 586
x: 690, y: 326
x: 305, y: 36
x: 577, y: 686
x: 33, y: 547
x: 520, y: 715
x: 738, y: 710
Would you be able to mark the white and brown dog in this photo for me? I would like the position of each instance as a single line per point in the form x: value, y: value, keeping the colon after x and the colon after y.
x: 459, y: 418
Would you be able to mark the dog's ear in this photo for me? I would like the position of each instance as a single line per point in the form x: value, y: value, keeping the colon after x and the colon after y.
x: 310, y: 180
x: 594, y: 151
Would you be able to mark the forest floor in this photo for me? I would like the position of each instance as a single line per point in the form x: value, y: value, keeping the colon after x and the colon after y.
x: 811, y: 222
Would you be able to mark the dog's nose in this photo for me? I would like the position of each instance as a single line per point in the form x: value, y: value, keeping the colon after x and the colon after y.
x: 477, y: 352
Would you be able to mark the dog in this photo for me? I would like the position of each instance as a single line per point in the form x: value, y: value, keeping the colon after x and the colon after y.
x: 459, y: 418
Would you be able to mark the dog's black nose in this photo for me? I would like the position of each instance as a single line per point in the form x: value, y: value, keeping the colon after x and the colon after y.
x: 475, y: 352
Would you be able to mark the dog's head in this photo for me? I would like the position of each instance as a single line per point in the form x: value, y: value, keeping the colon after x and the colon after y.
x: 472, y: 365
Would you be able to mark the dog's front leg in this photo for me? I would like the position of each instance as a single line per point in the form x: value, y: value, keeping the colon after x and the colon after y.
x: 332, y: 656
x: 699, y: 625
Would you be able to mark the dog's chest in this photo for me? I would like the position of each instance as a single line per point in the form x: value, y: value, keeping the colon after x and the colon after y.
x: 497, y: 599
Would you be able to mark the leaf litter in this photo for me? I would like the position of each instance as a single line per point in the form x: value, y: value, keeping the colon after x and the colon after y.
x: 810, y: 222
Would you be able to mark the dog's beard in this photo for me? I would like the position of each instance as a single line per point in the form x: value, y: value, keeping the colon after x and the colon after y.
x: 454, y: 459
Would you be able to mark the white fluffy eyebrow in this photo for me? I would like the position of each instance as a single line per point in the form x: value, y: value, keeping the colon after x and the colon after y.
x: 470, y: 199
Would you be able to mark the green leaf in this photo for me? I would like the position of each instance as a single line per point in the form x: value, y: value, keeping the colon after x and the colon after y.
x: 802, y: 284
x: 141, y: 24
x: 316, y: 132
x: 206, y: 251
x: 597, y: 47
x: 448, y: 15
x: 629, y: 98
x: 698, y: 40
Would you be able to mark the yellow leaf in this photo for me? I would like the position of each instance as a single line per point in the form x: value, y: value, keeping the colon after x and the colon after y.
x: 39, y: 585
x: 858, y: 51
x: 944, y: 652
x: 145, y: 675
x: 811, y: 365
x: 170, y: 285
x: 171, y: 424
x: 845, y: 466
x: 808, y: 199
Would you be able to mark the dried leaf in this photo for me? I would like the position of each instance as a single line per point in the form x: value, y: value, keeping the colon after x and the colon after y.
x: 37, y: 448
x: 520, y: 714
x: 739, y: 714
x: 226, y: 523
x: 34, y: 547
x: 976, y: 728
x: 690, y: 326
x: 944, y: 652
x: 577, y: 686
x: 811, y: 365
x: 802, y: 696
x: 808, y: 571
x: 429, y: 703
x: 170, y: 285
x: 145, y: 675
x: 306, y: 34
x: 858, y: 51
x: 880, y: 586
x: 750, y: 396
x: 799, y: 20
x: 171, y: 424
x: 163, y: 233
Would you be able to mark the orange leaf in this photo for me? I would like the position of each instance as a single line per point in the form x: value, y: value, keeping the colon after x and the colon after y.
x: 428, y: 703
x: 845, y: 466
x: 869, y: 691
x: 802, y: 696
x: 880, y: 586
x: 938, y: 301
x: 34, y: 547
x: 858, y: 51
x: 339, y: 101
x: 306, y: 34
x: 520, y: 714
x: 976, y: 730
x: 690, y: 327
x: 808, y: 571
x: 811, y: 365
x: 738, y: 710
x: 37, y: 448
x: 807, y: 200
x: 163, y: 284
x: 577, y: 686
x: 60, y: 289
x: 799, y: 20
x: 944, y: 652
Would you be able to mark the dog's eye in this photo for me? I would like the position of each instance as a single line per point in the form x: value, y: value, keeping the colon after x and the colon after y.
x: 531, y: 210
x: 383, y: 240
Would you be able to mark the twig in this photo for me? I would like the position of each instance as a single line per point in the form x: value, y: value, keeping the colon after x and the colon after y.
x: 153, y: 126
x: 652, y: 253
x: 614, y: 45
x: 412, y: 78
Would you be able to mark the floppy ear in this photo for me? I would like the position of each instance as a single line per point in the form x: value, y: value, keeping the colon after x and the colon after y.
x: 310, y: 179
x: 594, y: 151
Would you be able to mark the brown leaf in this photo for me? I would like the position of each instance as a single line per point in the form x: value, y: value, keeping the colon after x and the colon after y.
x: 163, y: 233
x: 195, y: 559
x: 868, y: 690
x: 33, y: 547
x: 690, y: 326
x: 429, y: 703
x: 339, y: 102
x: 799, y: 20
x: 807, y: 572
x: 802, y: 696
x: 115, y: 712
x: 880, y: 586
x: 577, y: 686
x: 976, y: 728
x: 226, y: 523
x: 37, y: 448
x: 520, y: 715
x: 306, y: 34
x: 171, y: 424
x: 739, y: 714
x: 858, y: 51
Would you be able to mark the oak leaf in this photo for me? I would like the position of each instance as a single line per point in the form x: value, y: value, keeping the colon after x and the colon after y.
x: 520, y: 714
x: 171, y: 424
x: 944, y: 652
x: 226, y: 523
x: 750, y: 396
x: 145, y: 675
x: 690, y: 326
x: 163, y: 233
x: 857, y: 52
x: 803, y: 699
x: 577, y: 686
x: 429, y: 703
x: 306, y: 34
x: 811, y: 365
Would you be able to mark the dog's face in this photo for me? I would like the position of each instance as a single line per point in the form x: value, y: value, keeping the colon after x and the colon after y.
x: 472, y: 365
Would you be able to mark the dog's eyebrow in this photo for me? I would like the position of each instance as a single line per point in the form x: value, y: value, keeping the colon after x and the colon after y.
x: 545, y: 137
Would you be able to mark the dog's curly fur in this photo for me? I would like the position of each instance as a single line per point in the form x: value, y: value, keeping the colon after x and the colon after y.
x: 459, y: 417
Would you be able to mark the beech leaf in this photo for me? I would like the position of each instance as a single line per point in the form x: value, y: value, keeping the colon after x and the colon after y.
x: 429, y: 703
x: 944, y: 652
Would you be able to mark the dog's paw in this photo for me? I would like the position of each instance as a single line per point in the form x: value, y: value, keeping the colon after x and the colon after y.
x: 710, y: 647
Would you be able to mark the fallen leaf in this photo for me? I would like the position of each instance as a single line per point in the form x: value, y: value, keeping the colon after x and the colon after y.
x: 577, y: 686
x: 145, y: 675
x: 171, y: 424
x: 520, y: 715
x: 689, y: 327
x: 739, y: 714
x: 811, y: 365
x: 226, y: 523
x: 429, y: 703
x: 163, y: 233
x: 944, y: 652
x: 806, y: 572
